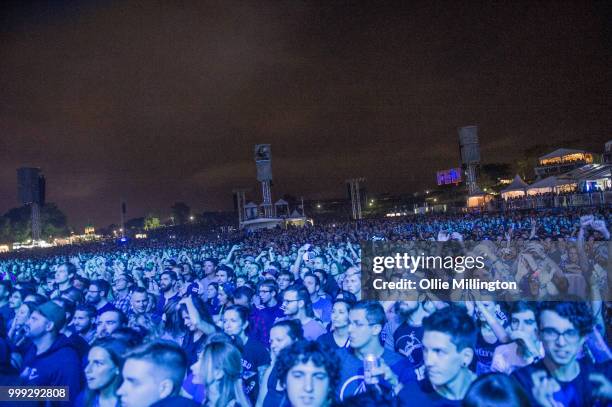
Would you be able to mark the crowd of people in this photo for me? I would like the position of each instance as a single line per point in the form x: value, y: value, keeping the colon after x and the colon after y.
x: 278, y: 318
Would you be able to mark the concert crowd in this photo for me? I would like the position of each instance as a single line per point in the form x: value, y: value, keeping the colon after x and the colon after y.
x: 277, y: 317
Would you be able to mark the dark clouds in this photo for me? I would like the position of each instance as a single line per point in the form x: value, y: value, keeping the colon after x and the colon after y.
x: 159, y: 102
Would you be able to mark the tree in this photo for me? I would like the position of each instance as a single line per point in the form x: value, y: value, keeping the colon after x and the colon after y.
x: 16, y: 224
x: 180, y: 212
x: 151, y: 222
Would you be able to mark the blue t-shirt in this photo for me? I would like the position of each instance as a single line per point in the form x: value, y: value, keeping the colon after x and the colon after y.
x: 575, y: 393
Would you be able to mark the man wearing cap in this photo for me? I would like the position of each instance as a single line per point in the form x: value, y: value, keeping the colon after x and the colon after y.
x: 121, y: 292
x: 50, y: 360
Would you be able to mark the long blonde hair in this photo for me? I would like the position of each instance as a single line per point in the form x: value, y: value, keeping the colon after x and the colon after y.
x: 225, y: 357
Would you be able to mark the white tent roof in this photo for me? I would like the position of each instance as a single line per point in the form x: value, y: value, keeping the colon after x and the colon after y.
x: 560, y: 152
x: 589, y: 172
x: 517, y: 184
x: 550, y: 182
x: 295, y: 214
x: 281, y: 202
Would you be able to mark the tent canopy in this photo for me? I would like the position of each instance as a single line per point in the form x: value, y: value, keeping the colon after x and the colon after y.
x: 561, y: 152
x: 517, y: 184
x: 589, y: 172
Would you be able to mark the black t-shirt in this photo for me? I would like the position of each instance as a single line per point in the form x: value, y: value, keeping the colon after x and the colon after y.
x: 408, y: 341
x: 273, y: 397
x: 575, y: 393
x: 191, y: 347
x: 484, y: 354
x: 328, y: 340
x: 254, y: 355
x: 423, y: 394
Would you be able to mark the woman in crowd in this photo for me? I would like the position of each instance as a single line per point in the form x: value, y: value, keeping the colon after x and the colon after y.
x: 225, y: 298
x: 103, y: 373
x: 255, y: 356
x: 218, y: 368
x: 339, y: 336
x: 17, y: 332
x: 282, y: 334
x: 212, y: 301
x: 199, y: 325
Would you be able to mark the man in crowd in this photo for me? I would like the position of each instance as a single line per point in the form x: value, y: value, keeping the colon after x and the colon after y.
x: 63, y: 278
x: 560, y: 379
x: 448, y: 349
x: 352, y: 282
x: 209, y: 268
x: 366, y: 320
x: 309, y: 373
x: 268, y: 311
x: 297, y: 305
x: 121, y: 292
x: 6, y: 312
x: 321, y: 303
x: 168, y: 291
x: 50, y: 360
x: 96, y: 295
x: 153, y: 375
x: 83, y: 322
x: 139, y: 301
x: 109, y: 322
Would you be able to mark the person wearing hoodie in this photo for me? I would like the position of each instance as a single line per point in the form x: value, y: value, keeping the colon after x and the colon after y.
x: 51, y: 360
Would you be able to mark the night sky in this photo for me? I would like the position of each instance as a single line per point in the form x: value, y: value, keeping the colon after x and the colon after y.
x: 158, y: 102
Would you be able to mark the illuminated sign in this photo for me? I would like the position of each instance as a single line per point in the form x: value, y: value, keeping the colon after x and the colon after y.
x: 452, y: 176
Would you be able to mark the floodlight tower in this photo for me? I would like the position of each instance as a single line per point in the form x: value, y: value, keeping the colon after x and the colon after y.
x: 31, y: 191
x: 470, y: 155
x: 263, y: 161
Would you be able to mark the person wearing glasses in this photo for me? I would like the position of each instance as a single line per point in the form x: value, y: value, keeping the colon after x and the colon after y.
x: 526, y: 347
x: 560, y: 378
x: 268, y: 311
x: 96, y: 295
x: 365, y: 322
x: 297, y: 305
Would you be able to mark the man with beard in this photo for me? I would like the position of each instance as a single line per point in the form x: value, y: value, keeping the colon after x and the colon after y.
x: 297, y: 305
x: 560, y: 379
x: 51, y: 360
x: 96, y: 296
x: 268, y: 311
x: 83, y: 322
x: 109, y: 322
x: 167, y: 288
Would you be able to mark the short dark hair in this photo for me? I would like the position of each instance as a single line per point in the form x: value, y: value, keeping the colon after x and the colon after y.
x: 313, y: 275
x: 70, y: 268
x: 244, y: 291
x: 305, y: 351
x: 456, y: 323
x: 294, y: 328
x: 102, y: 285
x: 271, y: 284
x: 167, y: 357
x: 521, y: 306
x: 578, y: 313
x: 495, y: 389
x: 288, y: 274
x: 302, y: 294
x: 170, y: 274
x: 123, y: 320
x: 375, y: 313
x: 140, y: 290
x: 89, y: 309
